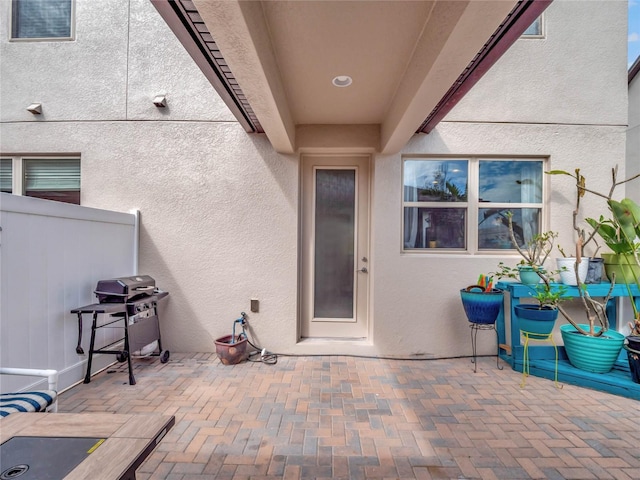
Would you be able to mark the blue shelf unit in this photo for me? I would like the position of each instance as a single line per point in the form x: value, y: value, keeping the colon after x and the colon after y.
x: 542, y: 355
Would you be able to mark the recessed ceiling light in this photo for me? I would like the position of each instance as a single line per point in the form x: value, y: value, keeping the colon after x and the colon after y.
x: 342, y: 81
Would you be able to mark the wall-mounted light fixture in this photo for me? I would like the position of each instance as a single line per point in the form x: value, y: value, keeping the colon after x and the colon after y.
x: 160, y: 101
x: 35, y: 108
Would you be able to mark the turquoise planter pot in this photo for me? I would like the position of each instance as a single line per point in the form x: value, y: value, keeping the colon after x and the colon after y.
x: 537, y: 322
x: 481, y: 307
x: 592, y: 354
x: 528, y: 275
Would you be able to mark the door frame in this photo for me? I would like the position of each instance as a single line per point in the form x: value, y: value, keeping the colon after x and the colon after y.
x: 362, y: 324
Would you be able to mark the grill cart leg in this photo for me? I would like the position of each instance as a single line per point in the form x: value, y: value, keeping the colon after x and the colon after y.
x: 132, y: 381
x: 164, y: 354
x: 87, y: 377
x: 79, y: 349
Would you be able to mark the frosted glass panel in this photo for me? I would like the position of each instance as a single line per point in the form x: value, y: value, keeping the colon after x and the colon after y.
x: 334, y: 243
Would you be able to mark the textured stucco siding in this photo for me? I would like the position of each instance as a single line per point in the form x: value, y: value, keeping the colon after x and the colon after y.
x: 417, y: 301
x: 218, y: 217
x: 576, y: 74
x: 220, y: 208
x: 111, y: 71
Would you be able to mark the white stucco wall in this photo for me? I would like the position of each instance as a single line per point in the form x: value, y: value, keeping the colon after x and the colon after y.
x: 219, y: 207
x: 562, y: 97
x: 416, y: 302
x: 111, y: 71
x: 571, y: 76
x: 218, y: 217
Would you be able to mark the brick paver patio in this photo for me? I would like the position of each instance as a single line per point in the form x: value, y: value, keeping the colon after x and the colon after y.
x: 354, y: 418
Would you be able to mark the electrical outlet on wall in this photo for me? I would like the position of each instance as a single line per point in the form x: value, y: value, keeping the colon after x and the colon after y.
x: 255, y: 305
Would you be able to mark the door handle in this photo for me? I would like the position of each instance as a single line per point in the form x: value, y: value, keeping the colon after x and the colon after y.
x: 363, y: 270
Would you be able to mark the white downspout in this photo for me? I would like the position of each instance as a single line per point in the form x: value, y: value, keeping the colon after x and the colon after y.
x: 136, y: 240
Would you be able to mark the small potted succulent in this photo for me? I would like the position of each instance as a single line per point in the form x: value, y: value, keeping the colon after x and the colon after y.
x: 538, y: 320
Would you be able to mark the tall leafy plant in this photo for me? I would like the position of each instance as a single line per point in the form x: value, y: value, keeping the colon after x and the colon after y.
x: 626, y: 225
x: 595, y: 310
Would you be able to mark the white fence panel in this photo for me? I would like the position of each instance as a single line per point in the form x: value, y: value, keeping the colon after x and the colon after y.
x: 52, y: 255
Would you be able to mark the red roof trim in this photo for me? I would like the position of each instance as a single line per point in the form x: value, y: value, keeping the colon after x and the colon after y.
x: 520, y: 18
x: 187, y: 25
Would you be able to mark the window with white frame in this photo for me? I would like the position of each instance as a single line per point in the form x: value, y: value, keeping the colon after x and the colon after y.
x: 50, y: 178
x: 463, y: 204
x: 42, y: 19
x: 535, y: 29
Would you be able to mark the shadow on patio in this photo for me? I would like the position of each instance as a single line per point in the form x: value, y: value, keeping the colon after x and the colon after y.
x: 345, y: 417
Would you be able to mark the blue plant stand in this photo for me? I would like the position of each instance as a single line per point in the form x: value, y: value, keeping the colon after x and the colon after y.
x: 475, y: 327
x: 482, y: 308
x: 541, y: 358
x: 537, y: 337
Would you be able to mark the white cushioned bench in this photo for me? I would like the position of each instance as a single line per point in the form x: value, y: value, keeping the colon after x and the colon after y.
x: 32, y: 401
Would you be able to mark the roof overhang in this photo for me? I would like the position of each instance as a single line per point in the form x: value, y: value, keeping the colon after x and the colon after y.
x: 633, y: 70
x: 272, y: 62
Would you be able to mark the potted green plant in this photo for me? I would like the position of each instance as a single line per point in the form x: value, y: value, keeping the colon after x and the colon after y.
x: 621, y: 261
x: 538, y: 319
x: 590, y: 346
x: 535, y: 251
x: 632, y: 346
x: 481, y: 301
x: 569, y: 275
x: 622, y: 231
x: 482, y: 304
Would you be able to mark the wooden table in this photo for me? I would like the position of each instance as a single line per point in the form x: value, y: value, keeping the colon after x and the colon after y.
x: 129, y: 439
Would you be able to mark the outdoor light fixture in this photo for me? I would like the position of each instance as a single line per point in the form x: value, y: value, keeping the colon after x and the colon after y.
x: 342, y: 81
x: 35, y: 108
x: 160, y: 101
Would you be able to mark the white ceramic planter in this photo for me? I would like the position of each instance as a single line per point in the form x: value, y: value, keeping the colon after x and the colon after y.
x: 567, y: 270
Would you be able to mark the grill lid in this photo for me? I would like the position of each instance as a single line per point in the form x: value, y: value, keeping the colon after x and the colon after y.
x: 124, y: 289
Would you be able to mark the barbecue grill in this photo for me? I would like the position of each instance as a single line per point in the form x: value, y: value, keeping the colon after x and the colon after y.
x: 130, y: 303
x: 125, y: 289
